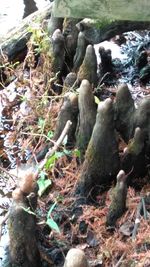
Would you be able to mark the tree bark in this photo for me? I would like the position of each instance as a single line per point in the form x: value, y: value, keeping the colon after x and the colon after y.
x: 87, y: 115
x: 101, y: 162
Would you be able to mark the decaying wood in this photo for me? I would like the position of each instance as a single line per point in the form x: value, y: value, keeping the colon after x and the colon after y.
x: 101, y: 162
x: 87, y: 115
x: 95, y: 32
x: 14, y: 43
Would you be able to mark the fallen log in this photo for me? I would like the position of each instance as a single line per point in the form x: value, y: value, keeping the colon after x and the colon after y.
x: 14, y: 43
x: 99, y: 31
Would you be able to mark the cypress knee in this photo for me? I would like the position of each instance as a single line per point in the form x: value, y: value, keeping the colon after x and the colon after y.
x: 87, y: 115
x: 76, y: 258
x: 134, y: 156
x: 54, y: 23
x: 124, y: 112
x: 118, y: 200
x: 70, y: 33
x: 101, y: 162
x: 142, y: 117
x: 80, y: 51
x: 106, y: 61
x: 88, y: 69
x: 23, y: 246
x: 69, y: 81
x: 58, y: 51
x: 68, y: 111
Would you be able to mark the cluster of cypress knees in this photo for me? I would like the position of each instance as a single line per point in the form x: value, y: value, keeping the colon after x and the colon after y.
x: 96, y: 130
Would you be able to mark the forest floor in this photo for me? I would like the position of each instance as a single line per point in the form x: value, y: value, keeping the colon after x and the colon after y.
x: 28, y: 115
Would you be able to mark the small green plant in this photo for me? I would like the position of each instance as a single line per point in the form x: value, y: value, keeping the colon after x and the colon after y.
x: 50, y: 222
x: 43, y: 183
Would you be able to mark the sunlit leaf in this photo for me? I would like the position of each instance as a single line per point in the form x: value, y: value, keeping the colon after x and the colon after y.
x: 50, y: 162
x: 77, y: 153
x: 53, y: 225
x: 97, y: 101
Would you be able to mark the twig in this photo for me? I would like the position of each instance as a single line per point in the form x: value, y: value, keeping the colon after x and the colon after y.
x: 52, y: 150
x: 137, y: 220
x: 39, y: 135
x: 103, y: 78
x: 120, y: 260
x: 144, y: 208
x: 12, y: 176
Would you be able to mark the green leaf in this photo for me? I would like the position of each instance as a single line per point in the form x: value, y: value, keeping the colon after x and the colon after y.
x: 53, y: 225
x: 51, y: 209
x: 77, y: 153
x: 43, y: 184
x: 97, y: 101
x: 50, y: 162
x: 50, y: 134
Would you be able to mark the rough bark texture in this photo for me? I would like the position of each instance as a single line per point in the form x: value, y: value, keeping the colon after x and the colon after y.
x: 58, y: 51
x: 87, y: 115
x: 134, y: 155
x: 101, y: 162
x: 142, y: 117
x: 80, y: 52
x: 88, y: 69
x: 69, y: 81
x: 68, y: 111
x: 124, y: 112
x: 15, y: 41
x: 118, y: 201
x: 22, y: 228
x: 70, y: 33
